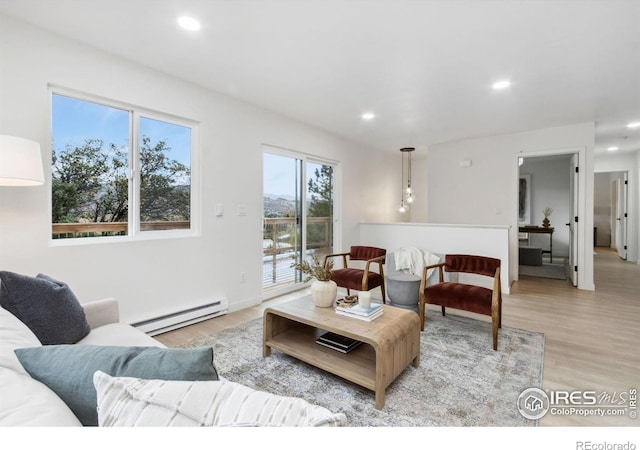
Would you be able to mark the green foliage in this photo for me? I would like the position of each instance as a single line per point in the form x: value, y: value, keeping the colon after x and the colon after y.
x: 320, y: 205
x: 164, y: 184
x: 321, y: 189
x: 87, y: 183
x: 90, y: 184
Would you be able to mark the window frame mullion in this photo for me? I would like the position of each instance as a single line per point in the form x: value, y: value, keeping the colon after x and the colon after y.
x: 134, y: 174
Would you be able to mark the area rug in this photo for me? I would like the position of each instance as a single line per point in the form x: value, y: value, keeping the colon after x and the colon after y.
x: 461, y: 381
x: 553, y: 271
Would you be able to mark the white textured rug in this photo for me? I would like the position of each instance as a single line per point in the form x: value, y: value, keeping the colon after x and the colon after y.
x: 461, y: 381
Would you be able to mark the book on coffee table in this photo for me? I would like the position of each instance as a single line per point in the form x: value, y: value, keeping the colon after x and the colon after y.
x: 358, y: 312
x: 367, y: 318
x: 337, y: 342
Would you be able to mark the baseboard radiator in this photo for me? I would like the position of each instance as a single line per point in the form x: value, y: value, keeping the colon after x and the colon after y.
x: 180, y: 319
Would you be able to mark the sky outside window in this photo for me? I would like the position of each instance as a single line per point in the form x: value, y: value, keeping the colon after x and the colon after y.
x: 177, y: 138
x: 77, y: 120
x: 279, y: 176
x: 74, y: 121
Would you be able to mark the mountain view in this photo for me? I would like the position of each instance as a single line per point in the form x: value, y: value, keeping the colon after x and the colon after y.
x: 278, y: 205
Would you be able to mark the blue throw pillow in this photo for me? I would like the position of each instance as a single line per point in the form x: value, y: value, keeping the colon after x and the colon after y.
x: 68, y: 369
x: 47, y: 306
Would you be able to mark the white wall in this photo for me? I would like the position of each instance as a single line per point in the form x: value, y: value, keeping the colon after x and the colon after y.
x: 442, y: 239
x: 161, y: 276
x: 626, y: 162
x: 550, y: 179
x: 602, y: 208
x: 486, y: 192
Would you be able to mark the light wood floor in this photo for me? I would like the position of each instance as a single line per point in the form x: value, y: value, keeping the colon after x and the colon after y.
x: 591, y: 337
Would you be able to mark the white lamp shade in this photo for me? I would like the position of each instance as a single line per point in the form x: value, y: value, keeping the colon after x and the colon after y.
x: 20, y: 162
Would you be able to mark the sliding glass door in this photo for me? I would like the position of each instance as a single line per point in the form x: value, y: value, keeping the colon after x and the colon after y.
x: 298, y: 215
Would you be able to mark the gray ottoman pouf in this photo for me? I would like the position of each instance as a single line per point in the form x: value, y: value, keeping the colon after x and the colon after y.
x: 403, y: 291
x: 530, y: 256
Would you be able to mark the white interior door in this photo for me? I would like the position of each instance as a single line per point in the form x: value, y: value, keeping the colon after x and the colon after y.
x: 622, y: 216
x: 573, y: 225
x: 615, y: 214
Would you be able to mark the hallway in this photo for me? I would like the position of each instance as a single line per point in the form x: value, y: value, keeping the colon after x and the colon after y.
x: 591, y: 337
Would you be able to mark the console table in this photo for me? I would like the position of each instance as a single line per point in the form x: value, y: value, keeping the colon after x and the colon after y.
x: 540, y: 230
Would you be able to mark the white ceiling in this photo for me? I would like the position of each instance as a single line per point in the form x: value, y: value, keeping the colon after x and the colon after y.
x: 424, y: 67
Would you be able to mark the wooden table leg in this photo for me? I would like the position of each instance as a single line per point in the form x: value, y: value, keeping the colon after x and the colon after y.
x: 267, y: 334
x: 380, y: 398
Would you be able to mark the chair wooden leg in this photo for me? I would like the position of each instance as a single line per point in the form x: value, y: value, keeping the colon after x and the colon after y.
x: 496, y: 317
x: 495, y: 333
x: 442, y: 310
x: 421, y: 309
x: 383, y: 294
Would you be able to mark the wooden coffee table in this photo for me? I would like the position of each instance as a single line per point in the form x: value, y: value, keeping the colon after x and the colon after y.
x: 390, y: 342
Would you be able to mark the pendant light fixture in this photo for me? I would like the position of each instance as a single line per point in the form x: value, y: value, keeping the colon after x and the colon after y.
x: 407, y: 196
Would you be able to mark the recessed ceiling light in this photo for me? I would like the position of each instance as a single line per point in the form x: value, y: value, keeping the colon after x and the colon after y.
x: 503, y: 84
x: 633, y: 125
x: 368, y: 116
x: 189, y: 23
x: 612, y: 149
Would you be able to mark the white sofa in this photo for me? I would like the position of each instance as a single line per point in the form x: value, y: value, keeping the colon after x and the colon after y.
x: 27, y: 402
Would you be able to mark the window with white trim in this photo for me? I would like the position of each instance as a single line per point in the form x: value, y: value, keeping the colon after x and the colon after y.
x: 118, y: 170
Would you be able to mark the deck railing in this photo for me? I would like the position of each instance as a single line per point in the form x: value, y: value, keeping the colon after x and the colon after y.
x: 280, y: 242
x: 93, y: 229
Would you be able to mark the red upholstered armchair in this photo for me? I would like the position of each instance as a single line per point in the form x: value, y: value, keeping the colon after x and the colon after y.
x: 466, y: 297
x: 360, y: 279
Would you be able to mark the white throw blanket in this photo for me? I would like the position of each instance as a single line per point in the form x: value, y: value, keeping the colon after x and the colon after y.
x: 413, y: 261
x: 410, y: 260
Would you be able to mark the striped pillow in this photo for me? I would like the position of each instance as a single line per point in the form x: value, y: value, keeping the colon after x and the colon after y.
x: 135, y: 402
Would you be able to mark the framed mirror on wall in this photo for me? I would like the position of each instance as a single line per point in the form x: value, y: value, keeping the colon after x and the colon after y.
x: 524, y: 199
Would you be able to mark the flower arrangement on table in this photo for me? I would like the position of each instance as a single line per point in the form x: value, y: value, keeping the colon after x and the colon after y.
x: 323, y: 289
x: 314, y: 269
x: 547, y: 212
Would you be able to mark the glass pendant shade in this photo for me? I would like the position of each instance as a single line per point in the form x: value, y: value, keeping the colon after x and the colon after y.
x: 407, y: 193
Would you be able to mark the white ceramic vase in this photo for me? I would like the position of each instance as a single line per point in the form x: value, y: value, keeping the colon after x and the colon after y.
x: 323, y: 293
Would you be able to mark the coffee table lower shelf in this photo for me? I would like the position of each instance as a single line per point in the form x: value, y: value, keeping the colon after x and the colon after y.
x: 357, y: 366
